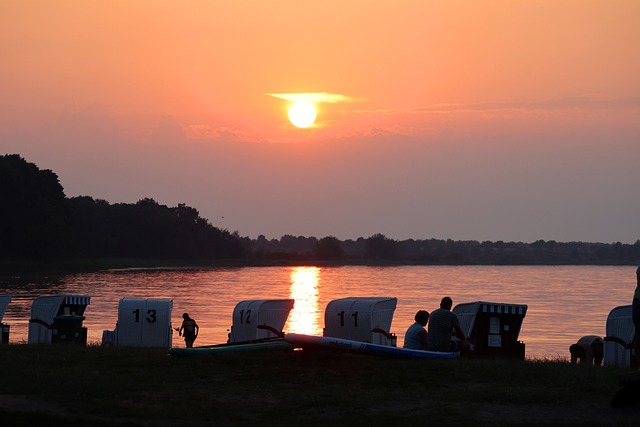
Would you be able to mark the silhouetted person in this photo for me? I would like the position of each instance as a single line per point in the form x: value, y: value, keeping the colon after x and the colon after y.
x: 189, y: 329
x: 443, y: 325
x: 587, y: 351
x: 416, y: 336
x: 635, y: 316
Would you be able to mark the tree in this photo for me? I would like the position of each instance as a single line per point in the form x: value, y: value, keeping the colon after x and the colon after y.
x: 380, y: 247
x: 38, y: 222
x: 33, y: 218
x: 328, y: 248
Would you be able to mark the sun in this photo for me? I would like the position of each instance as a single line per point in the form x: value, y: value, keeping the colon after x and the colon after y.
x: 302, y: 114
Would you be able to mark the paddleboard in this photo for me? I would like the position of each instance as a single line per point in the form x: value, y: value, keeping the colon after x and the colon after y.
x: 231, y: 348
x: 310, y: 341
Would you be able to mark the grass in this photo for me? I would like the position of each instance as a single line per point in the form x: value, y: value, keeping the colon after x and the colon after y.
x: 105, y: 386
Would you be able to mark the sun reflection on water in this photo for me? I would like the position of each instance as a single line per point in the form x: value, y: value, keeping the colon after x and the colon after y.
x: 304, y: 318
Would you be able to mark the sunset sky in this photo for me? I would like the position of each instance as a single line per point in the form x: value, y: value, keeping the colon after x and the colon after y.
x: 462, y: 119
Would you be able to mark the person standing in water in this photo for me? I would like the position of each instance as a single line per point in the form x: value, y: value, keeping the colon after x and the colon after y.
x: 189, y: 329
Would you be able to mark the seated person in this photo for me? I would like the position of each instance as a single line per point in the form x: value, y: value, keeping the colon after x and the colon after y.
x: 416, y: 336
x: 443, y: 325
x: 588, y: 349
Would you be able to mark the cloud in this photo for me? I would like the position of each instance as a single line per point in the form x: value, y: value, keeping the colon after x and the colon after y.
x: 208, y: 133
x: 578, y: 102
x: 313, y: 97
x: 554, y: 104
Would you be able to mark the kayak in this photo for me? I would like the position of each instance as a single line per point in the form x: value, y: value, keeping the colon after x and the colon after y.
x: 270, y: 345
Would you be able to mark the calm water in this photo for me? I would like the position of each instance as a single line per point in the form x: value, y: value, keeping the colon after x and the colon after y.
x: 564, y: 302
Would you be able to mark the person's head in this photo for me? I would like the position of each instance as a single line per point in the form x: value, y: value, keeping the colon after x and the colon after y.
x: 422, y: 317
x: 185, y: 316
x: 446, y: 303
x: 576, y: 352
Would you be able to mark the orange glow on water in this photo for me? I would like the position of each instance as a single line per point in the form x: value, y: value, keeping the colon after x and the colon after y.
x: 564, y: 302
x: 305, y: 316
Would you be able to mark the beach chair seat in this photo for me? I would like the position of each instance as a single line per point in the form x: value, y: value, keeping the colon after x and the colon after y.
x: 58, y: 319
x: 4, y: 329
x: 618, y: 343
x: 493, y: 328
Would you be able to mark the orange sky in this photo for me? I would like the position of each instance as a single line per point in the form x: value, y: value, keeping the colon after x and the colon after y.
x: 478, y: 90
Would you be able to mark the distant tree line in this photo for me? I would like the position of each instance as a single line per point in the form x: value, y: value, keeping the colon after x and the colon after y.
x: 379, y: 249
x: 39, y: 223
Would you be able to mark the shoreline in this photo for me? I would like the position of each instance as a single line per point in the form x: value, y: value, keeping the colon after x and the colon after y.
x: 11, y: 269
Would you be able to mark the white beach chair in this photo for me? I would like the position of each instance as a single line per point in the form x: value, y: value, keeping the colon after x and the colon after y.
x: 366, y: 319
x: 619, y: 339
x: 259, y: 319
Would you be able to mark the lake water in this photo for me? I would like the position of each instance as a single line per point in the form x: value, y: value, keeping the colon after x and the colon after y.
x: 564, y: 302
